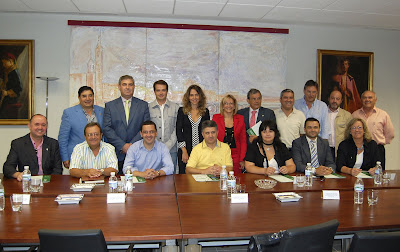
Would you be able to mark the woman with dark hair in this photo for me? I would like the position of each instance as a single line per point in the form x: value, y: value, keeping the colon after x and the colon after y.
x: 188, y: 123
x: 358, y: 151
x: 232, y: 130
x: 268, y: 155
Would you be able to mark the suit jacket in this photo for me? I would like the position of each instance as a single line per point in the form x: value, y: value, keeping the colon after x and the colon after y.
x: 239, y: 132
x: 115, y: 128
x: 184, y: 128
x: 347, y: 154
x: 73, y: 122
x: 302, y: 156
x: 23, y: 153
x: 342, y: 119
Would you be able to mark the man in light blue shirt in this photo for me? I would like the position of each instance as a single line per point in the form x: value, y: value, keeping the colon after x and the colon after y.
x: 148, y: 158
x: 163, y: 113
x: 311, y: 107
x: 93, y: 158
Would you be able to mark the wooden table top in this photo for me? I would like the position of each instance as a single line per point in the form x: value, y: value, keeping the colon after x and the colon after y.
x: 61, y: 184
x: 207, y: 216
x: 140, y: 218
x: 185, y: 184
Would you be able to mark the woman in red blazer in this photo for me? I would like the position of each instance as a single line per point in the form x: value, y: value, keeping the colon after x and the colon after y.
x: 232, y: 130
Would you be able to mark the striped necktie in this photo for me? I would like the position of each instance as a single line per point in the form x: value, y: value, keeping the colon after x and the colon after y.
x: 314, y: 155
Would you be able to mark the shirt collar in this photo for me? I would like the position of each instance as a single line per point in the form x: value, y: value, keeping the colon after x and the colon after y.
x: 141, y: 145
x: 373, y: 110
x: 204, y: 145
x: 155, y: 104
x: 34, y: 144
x: 254, y: 110
x: 123, y: 100
x: 309, y: 140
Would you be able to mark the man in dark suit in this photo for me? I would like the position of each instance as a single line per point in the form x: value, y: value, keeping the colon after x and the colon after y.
x: 123, y: 118
x: 313, y: 149
x: 39, y: 152
x: 255, y: 112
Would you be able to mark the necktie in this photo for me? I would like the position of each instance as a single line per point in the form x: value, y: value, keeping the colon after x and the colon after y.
x: 314, y: 155
x: 253, y: 118
x: 127, y: 111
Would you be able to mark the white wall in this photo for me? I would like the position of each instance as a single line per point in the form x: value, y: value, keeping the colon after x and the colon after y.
x: 52, y: 35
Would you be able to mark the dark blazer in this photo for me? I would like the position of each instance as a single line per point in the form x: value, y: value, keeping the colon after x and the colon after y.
x: 302, y: 156
x: 239, y: 132
x: 263, y: 114
x: 73, y: 122
x: 184, y: 134
x: 115, y: 128
x: 347, y: 153
x: 22, y: 153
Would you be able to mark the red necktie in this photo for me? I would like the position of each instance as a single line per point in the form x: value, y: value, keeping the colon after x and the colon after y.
x: 253, y: 118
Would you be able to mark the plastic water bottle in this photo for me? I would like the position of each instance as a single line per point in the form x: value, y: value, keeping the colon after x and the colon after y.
x: 26, y: 179
x: 128, y: 180
x: 231, y: 184
x: 223, y: 176
x: 358, y: 191
x: 309, y: 174
x: 112, y: 183
x: 2, y: 199
x: 378, y: 174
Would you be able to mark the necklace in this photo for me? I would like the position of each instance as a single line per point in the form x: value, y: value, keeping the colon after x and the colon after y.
x: 361, y: 148
x: 268, y: 146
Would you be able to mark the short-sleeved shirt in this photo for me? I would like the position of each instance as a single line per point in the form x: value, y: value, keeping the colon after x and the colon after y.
x: 83, y: 158
x: 253, y: 154
x: 290, y: 127
x: 203, y: 156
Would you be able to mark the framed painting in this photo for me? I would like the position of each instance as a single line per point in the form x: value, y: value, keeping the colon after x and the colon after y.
x: 16, y: 81
x: 349, y: 72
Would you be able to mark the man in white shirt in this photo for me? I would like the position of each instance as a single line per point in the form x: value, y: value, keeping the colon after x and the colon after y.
x: 338, y: 120
x: 290, y: 121
x: 163, y: 113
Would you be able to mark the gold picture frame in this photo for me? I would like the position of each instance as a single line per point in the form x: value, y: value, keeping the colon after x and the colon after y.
x: 16, y: 81
x: 347, y: 71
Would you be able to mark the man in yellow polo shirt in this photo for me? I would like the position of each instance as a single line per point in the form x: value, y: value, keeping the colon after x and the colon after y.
x: 209, y: 156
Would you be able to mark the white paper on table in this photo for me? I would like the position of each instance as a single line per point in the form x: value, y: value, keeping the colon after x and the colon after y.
x: 281, y: 178
x: 202, y: 177
x: 253, y: 131
x: 239, y: 198
x: 334, y: 176
x: 330, y: 194
x: 39, y: 177
x: 362, y: 175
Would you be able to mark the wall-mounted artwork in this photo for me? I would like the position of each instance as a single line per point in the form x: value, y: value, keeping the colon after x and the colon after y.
x: 346, y: 71
x: 16, y: 81
x: 220, y: 62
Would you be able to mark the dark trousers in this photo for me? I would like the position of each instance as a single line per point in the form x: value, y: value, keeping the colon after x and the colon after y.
x: 381, y: 155
x: 120, y: 166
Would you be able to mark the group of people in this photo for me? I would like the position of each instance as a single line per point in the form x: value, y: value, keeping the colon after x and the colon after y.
x: 153, y: 139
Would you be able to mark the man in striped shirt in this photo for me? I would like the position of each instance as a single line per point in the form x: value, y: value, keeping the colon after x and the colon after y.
x: 93, y: 158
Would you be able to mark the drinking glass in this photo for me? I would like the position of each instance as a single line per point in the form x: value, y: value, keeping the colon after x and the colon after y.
x: 300, y: 180
x: 372, y: 197
x: 35, y: 184
x: 16, y: 202
x: 386, y: 177
x: 240, y: 188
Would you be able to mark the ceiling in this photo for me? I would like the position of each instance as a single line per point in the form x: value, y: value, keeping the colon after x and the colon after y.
x: 362, y: 13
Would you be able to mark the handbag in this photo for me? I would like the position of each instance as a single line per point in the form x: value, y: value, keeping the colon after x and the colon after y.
x: 265, y: 242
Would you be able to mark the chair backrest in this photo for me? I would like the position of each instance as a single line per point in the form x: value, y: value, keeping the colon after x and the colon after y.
x: 318, y: 238
x: 72, y: 240
x: 375, y: 241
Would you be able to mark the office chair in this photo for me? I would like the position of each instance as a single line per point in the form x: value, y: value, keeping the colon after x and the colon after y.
x: 72, y: 240
x: 375, y: 241
x: 317, y: 238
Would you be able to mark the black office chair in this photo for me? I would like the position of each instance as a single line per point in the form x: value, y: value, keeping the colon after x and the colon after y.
x: 375, y: 241
x: 318, y: 238
x: 72, y: 240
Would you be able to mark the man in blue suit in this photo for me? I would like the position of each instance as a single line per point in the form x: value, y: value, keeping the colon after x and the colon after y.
x: 255, y: 112
x: 123, y: 118
x: 74, y: 120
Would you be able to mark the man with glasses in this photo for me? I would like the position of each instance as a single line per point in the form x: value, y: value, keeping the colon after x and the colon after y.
x: 93, y: 158
x: 148, y: 158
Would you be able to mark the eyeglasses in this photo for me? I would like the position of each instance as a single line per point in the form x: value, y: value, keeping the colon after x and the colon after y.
x: 358, y: 127
x: 93, y: 134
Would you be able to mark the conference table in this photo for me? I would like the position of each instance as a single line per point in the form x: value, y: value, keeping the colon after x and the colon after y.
x: 178, y: 208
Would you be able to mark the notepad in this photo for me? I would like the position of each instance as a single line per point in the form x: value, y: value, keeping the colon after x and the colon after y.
x: 282, y: 178
x: 204, y: 177
x: 334, y: 176
x: 364, y: 174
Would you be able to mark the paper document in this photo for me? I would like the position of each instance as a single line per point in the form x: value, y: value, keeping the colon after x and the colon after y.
x: 253, y: 131
x: 204, y: 177
x: 364, y: 175
x: 335, y: 176
x: 282, y: 178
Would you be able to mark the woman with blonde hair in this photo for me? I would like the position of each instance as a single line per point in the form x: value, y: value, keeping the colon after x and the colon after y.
x: 188, y: 123
x: 358, y: 151
x: 232, y: 130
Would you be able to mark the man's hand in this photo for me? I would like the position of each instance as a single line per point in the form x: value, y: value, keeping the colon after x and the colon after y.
x: 270, y: 171
x: 150, y: 174
x: 323, y: 170
x: 213, y: 170
x: 284, y: 170
x: 371, y: 171
x: 18, y: 176
x: 252, y: 138
x: 66, y: 164
x: 126, y: 147
x: 241, y: 165
x: 356, y: 171
x: 93, y: 173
